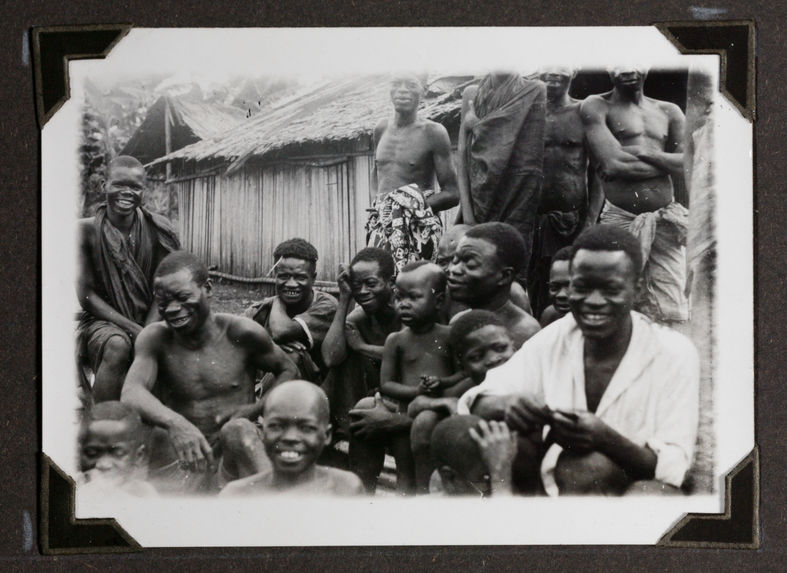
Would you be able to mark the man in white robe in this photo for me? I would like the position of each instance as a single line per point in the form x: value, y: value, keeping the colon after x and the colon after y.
x: 605, y: 401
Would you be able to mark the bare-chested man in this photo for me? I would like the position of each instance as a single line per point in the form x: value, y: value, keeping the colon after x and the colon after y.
x: 409, y: 152
x: 571, y: 197
x: 638, y: 143
x: 202, y: 365
x: 119, y: 250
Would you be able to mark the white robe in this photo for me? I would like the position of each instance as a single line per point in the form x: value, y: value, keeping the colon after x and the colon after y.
x: 652, y: 399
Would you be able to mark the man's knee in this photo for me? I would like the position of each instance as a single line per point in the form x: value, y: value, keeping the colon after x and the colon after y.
x: 652, y: 487
x: 117, y: 352
x: 239, y: 435
x: 590, y: 473
x: 365, y: 403
x: 421, y: 430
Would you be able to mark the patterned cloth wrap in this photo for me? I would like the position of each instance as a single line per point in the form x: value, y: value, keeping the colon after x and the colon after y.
x: 402, y: 223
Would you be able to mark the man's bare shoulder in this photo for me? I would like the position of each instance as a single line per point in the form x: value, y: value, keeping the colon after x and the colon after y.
x: 357, y: 316
x: 596, y: 103
x: 520, y: 324
x: 469, y: 92
x: 670, y: 109
x: 153, y: 335
x: 86, y: 228
x: 381, y: 126
x: 239, y: 328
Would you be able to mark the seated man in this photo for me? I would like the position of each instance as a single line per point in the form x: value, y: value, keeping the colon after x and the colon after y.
x: 295, y: 430
x: 298, y: 317
x: 558, y: 288
x: 485, y: 263
x: 473, y: 457
x: 445, y: 254
x: 617, y: 393
x: 201, y: 367
x: 479, y: 341
x: 353, y: 346
x: 112, y: 454
x: 410, y: 356
x: 119, y: 250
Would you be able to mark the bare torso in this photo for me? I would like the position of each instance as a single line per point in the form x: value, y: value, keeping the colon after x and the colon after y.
x: 372, y: 330
x: 206, y: 382
x: 645, y: 124
x: 521, y: 326
x: 420, y: 354
x: 404, y: 156
x: 565, y: 160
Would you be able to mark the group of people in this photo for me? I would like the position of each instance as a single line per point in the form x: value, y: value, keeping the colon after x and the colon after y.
x: 526, y: 350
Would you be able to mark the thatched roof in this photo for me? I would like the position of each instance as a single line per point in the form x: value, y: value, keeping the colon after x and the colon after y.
x: 191, y: 121
x: 330, y: 111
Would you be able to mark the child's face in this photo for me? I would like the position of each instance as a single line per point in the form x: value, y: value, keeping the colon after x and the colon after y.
x: 416, y: 299
x: 558, y: 286
x: 110, y: 450
x: 370, y: 290
x: 486, y: 348
x: 294, y: 434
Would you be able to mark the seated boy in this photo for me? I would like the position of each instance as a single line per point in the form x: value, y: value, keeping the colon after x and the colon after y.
x: 112, y: 454
x: 410, y: 356
x: 558, y: 288
x: 295, y: 430
x: 353, y: 346
x: 445, y: 254
x: 473, y: 457
x: 479, y: 341
x: 298, y: 317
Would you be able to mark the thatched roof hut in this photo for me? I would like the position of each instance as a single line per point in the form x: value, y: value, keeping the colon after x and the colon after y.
x: 301, y: 166
x: 172, y: 123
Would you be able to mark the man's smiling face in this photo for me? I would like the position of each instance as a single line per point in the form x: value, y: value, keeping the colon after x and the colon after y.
x: 602, y: 291
x: 294, y: 280
x: 124, y: 189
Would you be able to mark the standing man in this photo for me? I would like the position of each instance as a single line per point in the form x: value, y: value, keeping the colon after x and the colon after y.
x: 119, y: 250
x: 409, y: 152
x: 501, y: 153
x: 193, y: 378
x: 637, y: 142
x: 572, y: 198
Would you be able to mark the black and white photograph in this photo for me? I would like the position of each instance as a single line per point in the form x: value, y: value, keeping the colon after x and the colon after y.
x: 397, y: 286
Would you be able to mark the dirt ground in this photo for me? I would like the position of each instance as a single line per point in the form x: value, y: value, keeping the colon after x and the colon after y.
x: 234, y: 298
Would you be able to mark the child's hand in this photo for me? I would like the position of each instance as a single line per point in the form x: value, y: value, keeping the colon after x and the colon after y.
x: 430, y: 385
x: 498, y: 448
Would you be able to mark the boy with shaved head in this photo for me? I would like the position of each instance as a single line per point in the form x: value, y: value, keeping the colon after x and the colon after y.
x: 414, y: 359
x: 295, y: 431
x: 486, y: 261
x: 473, y: 456
x: 112, y: 452
x: 558, y: 288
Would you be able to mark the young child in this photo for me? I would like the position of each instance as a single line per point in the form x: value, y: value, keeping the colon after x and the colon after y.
x: 112, y: 453
x: 295, y: 430
x: 479, y: 342
x: 473, y: 456
x: 412, y: 359
x: 558, y: 288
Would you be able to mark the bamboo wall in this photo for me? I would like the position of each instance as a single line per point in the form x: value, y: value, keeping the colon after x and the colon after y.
x: 234, y: 222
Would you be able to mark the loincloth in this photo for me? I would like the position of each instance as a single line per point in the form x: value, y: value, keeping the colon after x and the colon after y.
x: 402, y: 223
x: 662, y: 235
x: 93, y: 336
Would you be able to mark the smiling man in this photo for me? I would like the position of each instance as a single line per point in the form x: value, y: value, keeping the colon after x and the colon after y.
x: 193, y: 378
x: 295, y: 432
x: 637, y: 142
x: 299, y: 316
x: 613, y: 395
x: 118, y: 251
x: 408, y: 153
